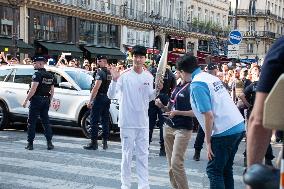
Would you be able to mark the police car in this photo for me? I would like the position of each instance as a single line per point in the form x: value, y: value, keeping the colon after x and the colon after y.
x: 68, y: 106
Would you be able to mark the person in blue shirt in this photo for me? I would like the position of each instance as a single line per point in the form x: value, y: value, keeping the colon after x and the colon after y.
x: 220, y: 119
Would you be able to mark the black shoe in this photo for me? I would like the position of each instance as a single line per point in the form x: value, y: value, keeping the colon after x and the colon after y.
x: 162, y: 151
x: 196, y: 156
x: 93, y: 145
x: 49, y: 145
x: 105, y: 146
x: 29, y: 146
x: 268, y: 162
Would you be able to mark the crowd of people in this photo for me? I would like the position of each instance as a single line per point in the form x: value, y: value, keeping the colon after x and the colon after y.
x: 220, y: 97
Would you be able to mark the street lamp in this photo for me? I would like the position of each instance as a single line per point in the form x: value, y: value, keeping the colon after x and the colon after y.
x: 154, y: 24
x: 14, y: 5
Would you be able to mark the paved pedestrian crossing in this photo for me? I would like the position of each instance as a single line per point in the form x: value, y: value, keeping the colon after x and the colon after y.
x: 69, y: 166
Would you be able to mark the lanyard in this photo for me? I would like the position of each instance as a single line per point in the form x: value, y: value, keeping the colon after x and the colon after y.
x: 175, y: 99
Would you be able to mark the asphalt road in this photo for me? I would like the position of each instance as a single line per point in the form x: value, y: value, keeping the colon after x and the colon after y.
x: 69, y: 166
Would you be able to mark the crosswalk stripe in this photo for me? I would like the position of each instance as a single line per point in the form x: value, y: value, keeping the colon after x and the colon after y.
x: 43, y: 182
x: 82, y: 163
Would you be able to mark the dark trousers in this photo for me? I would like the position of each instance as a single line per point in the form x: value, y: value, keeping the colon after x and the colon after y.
x: 100, y: 114
x: 220, y: 168
x: 198, y: 144
x: 268, y: 155
x: 39, y: 107
x: 154, y: 112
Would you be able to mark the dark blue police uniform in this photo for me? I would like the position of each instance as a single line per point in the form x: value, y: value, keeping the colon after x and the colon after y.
x: 101, y: 105
x: 39, y: 105
x: 100, y: 110
x: 154, y: 112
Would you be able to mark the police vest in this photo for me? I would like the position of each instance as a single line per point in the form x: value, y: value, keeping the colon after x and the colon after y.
x: 46, y: 81
x: 225, y: 112
x: 106, y: 79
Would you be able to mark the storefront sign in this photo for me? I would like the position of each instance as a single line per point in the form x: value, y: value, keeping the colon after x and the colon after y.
x: 178, y: 50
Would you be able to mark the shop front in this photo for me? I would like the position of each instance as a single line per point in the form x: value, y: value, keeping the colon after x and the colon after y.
x: 100, y: 39
x: 53, y: 35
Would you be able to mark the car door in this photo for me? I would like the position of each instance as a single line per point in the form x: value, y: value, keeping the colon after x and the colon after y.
x: 16, y: 86
x: 64, y: 100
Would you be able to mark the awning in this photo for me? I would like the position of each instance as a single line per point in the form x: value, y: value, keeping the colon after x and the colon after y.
x: 110, y: 53
x: 8, y: 43
x: 59, y: 48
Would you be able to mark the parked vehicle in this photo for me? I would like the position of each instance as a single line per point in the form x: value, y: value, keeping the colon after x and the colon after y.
x: 68, y: 106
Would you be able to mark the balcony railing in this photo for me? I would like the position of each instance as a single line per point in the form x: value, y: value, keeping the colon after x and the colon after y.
x: 257, y: 12
x: 265, y: 34
x: 122, y: 11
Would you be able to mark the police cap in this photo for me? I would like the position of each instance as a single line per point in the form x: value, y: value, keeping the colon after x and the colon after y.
x: 38, y: 58
x: 139, y: 50
x: 211, y: 66
x: 100, y: 57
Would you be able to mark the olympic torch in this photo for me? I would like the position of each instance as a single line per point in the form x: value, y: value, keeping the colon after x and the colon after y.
x: 162, y: 66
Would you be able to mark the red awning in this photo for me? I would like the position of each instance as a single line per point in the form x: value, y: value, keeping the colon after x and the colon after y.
x: 173, y: 57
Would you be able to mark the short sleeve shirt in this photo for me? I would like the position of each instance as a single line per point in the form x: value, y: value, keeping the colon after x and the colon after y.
x: 273, y: 66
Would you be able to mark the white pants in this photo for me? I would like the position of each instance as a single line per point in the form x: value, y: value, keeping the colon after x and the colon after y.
x: 138, y: 138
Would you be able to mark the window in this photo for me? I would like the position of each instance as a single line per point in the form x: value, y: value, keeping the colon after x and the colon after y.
x: 81, y: 78
x: 24, y: 76
x: 218, y: 18
x: 58, y: 78
x: 212, y: 16
x: 199, y: 13
x: 4, y: 73
x: 49, y: 27
x: 250, y: 48
x: 225, y: 23
x: 206, y: 15
x: 6, y: 21
x: 252, y: 7
x: 88, y: 32
x: 251, y: 26
x: 181, y: 16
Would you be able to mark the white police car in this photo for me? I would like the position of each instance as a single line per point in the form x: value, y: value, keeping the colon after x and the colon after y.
x: 68, y: 106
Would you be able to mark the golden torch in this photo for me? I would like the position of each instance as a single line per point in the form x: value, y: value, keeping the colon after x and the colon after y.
x: 162, y: 66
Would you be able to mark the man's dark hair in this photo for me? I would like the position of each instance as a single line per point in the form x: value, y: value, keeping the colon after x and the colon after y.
x: 187, y: 63
x: 139, y: 50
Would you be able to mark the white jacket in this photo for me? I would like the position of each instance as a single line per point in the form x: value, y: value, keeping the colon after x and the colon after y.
x: 226, y: 113
x: 134, y: 92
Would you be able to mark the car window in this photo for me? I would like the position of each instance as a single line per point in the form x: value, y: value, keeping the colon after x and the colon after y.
x: 4, y: 73
x: 24, y: 75
x: 58, y: 79
x: 81, y: 78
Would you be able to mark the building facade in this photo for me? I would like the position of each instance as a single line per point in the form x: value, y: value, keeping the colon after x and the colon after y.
x: 85, y: 27
x: 261, y: 23
x: 211, y: 17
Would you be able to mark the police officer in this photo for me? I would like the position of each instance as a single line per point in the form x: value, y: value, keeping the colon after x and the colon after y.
x: 154, y: 112
x: 39, y: 95
x: 99, y: 104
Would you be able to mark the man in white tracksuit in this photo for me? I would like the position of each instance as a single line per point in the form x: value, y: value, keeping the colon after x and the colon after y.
x: 134, y: 90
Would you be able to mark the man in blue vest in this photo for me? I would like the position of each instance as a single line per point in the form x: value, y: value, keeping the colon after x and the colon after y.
x: 220, y: 119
